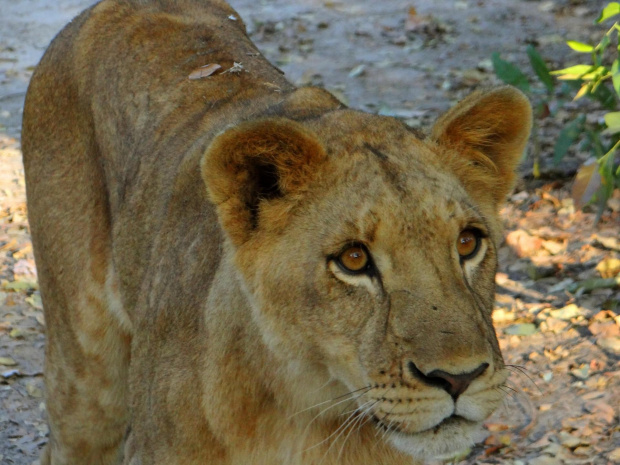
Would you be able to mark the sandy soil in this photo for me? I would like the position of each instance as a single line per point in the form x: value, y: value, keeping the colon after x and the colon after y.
x: 379, y: 57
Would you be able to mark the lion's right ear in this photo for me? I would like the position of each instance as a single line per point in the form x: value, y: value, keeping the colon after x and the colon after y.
x: 250, y: 165
x: 486, y: 135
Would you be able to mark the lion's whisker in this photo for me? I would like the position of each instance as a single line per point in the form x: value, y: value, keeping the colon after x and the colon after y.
x: 349, y: 423
x: 341, y: 427
x: 350, y: 394
x: 366, y: 388
x: 356, y: 424
x: 523, y: 371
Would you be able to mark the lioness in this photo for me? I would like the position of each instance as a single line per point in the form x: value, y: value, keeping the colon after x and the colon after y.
x: 236, y: 271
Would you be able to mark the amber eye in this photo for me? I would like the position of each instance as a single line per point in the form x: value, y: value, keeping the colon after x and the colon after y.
x: 354, y: 259
x: 468, y: 243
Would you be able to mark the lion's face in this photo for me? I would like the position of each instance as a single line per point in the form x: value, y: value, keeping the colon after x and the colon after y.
x: 377, y: 266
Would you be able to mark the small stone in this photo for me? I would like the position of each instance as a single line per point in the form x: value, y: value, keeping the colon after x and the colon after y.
x: 614, y: 205
x: 546, y: 7
x: 357, y: 71
x: 582, y: 372
x: 568, y: 440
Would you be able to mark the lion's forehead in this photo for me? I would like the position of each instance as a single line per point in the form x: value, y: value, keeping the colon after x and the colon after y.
x: 418, y: 203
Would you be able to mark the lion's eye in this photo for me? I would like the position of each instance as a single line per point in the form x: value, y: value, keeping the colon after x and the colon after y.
x: 354, y: 259
x: 468, y: 243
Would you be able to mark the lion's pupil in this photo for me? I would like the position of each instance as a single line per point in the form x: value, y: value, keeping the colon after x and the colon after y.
x: 354, y: 259
x: 466, y: 243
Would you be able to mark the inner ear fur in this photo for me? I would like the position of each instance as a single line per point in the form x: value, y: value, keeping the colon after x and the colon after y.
x: 256, y: 162
x: 484, y: 137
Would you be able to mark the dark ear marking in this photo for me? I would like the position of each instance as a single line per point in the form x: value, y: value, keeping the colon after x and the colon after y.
x: 253, y: 163
x: 266, y: 187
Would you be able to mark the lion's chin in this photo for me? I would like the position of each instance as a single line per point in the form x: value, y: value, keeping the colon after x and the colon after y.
x: 444, y: 441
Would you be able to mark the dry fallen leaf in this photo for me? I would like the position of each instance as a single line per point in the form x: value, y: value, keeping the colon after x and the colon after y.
x: 612, y: 344
x: 553, y: 325
x: 501, y: 315
x: 416, y: 22
x: 587, y: 182
x: 605, y: 329
x: 34, y: 391
x: 566, y: 313
x: 545, y: 460
x: 35, y: 301
x: 236, y: 68
x: 17, y: 333
x: 521, y: 329
x: 7, y: 362
x: 204, y: 71
x: 614, y: 455
x: 569, y: 441
x: 523, y: 244
x: 601, y: 410
x: 609, y: 267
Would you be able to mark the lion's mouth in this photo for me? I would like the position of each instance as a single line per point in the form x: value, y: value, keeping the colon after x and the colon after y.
x: 401, y: 427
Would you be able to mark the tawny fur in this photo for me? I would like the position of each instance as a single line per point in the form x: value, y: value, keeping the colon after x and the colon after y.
x: 187, y: 234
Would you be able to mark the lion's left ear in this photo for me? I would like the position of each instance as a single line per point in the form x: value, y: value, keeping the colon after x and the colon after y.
x: 248, y: 167
x: 484, y: 137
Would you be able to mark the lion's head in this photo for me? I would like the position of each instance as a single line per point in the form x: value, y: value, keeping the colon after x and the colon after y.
x: 369, y: 253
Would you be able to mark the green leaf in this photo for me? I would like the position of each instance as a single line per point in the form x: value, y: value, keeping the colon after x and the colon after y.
x: 602, y: 46
x: 615, y: 75
x: 583, y: 91
x: 605, y: 96
x: 612, y: 119
x: 580, y: 46
x: 540, y: 68
x: 509, y: 73
x: 611, y: 10
x: 573, y: 72
x: 567, y: 137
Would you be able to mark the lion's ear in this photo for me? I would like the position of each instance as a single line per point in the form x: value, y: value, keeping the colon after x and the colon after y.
x: 484, y: 137
x: 254, y: 163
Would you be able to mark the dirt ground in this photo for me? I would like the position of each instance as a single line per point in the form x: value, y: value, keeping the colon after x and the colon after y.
x: 562, y: 342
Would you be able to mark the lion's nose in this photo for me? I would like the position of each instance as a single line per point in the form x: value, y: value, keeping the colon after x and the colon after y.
x: 455, y: 385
